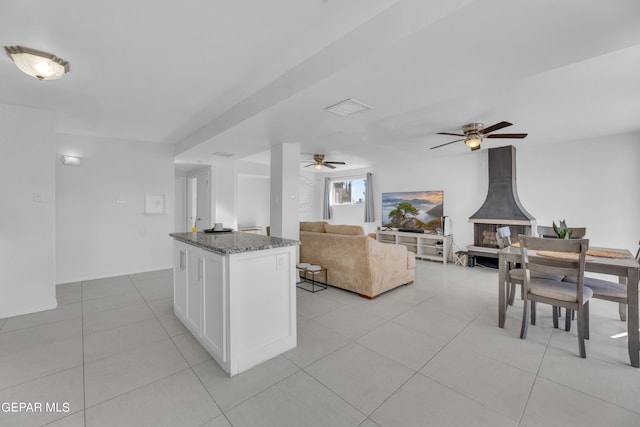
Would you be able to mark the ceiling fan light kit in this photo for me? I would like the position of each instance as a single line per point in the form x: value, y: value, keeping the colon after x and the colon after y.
x: 319, y: 162
x: 36, y: 63
x: 474, y: 133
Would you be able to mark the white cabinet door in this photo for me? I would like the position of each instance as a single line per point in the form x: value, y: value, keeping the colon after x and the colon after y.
x: 179, y: 280
x: 214, y: 326
x: 193, y: 315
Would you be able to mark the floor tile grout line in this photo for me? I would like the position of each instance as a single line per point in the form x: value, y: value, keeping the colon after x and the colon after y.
x: 590, y: 395
x: 146, y: 344
x: 84, y: 378
x: 349, y: 403
x: 121, y: 326
x: 333, y: 392
x: 209, y: 393
x: 535, y: 379
x: 549, y: 345
x: 575, y: 389
x: 222, y: 414
x: 470, y: 398
x: 141, y: 386
x: 499, y: 360
x: 417, y: 372
x: 41, y: 377
x: 354, y: 340
x: 39, y: 325
x: 467, y: 397
x: 136, y: 388
x: 537, y: 375
x: 157, y: 319
x: 254, y: 394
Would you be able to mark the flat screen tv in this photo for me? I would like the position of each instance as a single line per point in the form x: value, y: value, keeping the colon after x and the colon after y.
x: 416, y: 210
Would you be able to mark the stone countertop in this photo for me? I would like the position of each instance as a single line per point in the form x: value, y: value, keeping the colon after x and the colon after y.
x: 232, y: 242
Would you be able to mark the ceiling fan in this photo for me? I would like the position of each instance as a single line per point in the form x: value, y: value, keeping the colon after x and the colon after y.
x: 474, y: 133
x: 319, y: 162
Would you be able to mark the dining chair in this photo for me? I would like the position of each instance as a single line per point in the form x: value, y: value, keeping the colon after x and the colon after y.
x: 516, y: 275
x: 503, y: 237
x: 549, y: 233
x: 607, y: 290
x: 564, y: 257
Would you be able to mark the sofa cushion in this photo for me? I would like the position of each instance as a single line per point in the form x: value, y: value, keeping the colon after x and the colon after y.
x: 315, y: 226
x: 351, y: 230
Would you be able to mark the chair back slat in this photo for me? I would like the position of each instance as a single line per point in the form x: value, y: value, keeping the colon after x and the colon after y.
x: 573, y: 265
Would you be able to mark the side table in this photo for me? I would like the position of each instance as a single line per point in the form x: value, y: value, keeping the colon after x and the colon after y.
x: 310, y: 274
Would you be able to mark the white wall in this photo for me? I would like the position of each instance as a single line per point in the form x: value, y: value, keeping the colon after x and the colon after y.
x: 27, y: 227
x: 253, y: 200
x: 101, y: 226
x: 253, y: 194
x: 180, y: 220
x: 463, y: 177
x: 590, y: 183
x: 225, y: 194
x: 285, y: 190
x: 311, y: 190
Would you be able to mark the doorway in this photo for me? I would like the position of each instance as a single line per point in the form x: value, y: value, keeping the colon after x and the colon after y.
x: 199, y: 200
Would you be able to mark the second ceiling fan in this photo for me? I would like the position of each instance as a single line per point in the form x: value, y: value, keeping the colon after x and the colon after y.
x: 474, y: 133
x: 319, y: 162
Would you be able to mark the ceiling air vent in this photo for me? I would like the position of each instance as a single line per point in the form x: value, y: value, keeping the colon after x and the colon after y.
x: 348, y: 107
x: 222, y: 154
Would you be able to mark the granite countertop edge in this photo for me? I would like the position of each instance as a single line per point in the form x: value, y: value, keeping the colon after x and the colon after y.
x: 233, y: 242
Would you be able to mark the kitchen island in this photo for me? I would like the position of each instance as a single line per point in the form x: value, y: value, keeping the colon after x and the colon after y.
x: 236, y: 293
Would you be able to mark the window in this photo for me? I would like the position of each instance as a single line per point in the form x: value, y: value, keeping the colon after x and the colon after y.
x: 348, y: 192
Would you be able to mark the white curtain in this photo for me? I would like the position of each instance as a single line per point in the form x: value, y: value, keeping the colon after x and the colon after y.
x: 326, y: 205
x: 369, y: 215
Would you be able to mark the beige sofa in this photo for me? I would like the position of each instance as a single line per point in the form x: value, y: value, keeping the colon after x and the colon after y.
x: 354, y: 261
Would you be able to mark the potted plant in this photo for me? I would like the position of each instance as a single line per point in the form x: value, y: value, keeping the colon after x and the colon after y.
x: 562, y: 231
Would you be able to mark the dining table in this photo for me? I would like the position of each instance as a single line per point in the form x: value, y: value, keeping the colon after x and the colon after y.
x: 626, y: 269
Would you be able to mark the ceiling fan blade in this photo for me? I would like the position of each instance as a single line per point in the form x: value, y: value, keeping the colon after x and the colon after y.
x: 496, y: 127
x: 335, y: 163
x: 328, y: 165
x: 446, y: 143
x: 448, y: 133
x: 309, y: 165
x: 507, y: 135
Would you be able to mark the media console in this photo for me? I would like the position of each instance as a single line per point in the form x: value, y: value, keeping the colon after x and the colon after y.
x: 433, y: 247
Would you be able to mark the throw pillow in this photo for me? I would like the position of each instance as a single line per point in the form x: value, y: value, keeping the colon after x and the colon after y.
x: 315, y: 226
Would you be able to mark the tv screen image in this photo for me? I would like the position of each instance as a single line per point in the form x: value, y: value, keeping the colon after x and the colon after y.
x: 421, y: 210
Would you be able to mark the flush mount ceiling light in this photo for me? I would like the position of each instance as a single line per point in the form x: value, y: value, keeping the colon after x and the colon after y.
x: 71, y: 160
x: 41, y: 65
x: 348, y: 107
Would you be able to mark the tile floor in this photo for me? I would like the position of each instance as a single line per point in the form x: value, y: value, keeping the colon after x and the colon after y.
x: 420, y: 355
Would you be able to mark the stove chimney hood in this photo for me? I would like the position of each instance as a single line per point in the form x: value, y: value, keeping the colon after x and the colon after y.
x: 502, y: 204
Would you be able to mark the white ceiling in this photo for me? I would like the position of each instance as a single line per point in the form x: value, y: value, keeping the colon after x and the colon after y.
x: 240, y: 76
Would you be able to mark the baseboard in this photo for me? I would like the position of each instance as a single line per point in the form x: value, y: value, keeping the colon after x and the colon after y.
x: 96, y: 277
x: 30, y: 311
